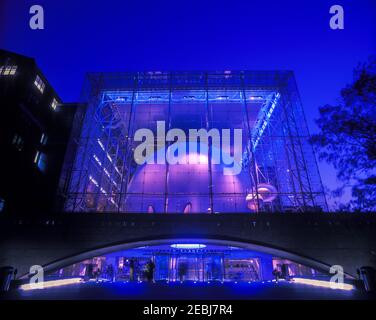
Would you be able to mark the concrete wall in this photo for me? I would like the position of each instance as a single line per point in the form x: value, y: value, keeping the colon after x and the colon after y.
x: 316, y: 239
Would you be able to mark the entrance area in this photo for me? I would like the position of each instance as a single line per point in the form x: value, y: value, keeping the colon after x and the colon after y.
x: 181, y: 262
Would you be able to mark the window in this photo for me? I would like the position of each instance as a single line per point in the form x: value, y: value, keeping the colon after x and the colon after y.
x: 38, y: 82
x: 54, y: 104
x: 36, y: 158
x: 18, y: 142
x: 2, y: 204
x: 8, y: 70
x: 40, y: 160
x: 43, y: 139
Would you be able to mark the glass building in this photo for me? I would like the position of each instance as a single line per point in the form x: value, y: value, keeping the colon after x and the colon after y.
x: 278, y: 171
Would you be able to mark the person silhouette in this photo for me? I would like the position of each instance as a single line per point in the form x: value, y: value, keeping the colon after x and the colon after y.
x: 131, y: 269
x: 150, y: 271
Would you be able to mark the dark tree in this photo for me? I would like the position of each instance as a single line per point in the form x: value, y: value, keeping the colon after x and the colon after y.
x: 348, y: 137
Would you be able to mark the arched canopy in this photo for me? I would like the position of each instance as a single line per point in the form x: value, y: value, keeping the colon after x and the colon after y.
x: 163, y: 240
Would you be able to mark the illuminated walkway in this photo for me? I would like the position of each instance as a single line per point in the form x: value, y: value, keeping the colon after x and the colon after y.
x: 194, y: 291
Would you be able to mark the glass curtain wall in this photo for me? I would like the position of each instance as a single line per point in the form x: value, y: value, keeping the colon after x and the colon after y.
x: 278, y: 167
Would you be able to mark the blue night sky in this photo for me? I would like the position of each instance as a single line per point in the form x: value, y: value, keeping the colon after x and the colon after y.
x: 140, y: 35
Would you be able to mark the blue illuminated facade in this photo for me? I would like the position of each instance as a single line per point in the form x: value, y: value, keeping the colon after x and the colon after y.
x: 195, y: 262
x: 278, y: 167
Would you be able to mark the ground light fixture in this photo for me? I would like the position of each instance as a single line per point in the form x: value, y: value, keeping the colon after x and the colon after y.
x: 188, y: 246
x: 324, y: 284
x: 50, y: 284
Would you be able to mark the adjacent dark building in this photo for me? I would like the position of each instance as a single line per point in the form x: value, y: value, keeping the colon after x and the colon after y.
x: 35, y: 128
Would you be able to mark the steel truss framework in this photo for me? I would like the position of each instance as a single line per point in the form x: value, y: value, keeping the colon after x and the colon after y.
x: 101, y: 174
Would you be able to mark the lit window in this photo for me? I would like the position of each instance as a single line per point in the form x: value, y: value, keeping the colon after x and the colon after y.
x: 42, y: 162
x: 43, y: 139
x: 38, y: 82
x: 54, y: 104
x: 2, y: 204
x: 36, y: 158
x: 8, y: 70
x: 13, y: 70
x: 18, y: 142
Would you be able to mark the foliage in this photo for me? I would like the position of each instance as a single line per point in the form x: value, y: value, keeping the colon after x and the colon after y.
x: 348, y: 137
